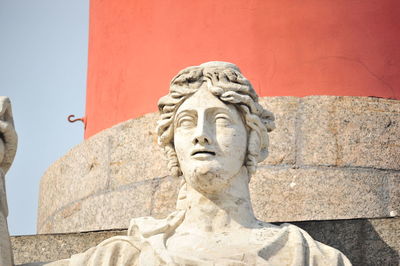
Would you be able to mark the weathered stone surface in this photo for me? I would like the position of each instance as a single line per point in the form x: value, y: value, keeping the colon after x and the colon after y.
x: 363, y: 241
x: 394, y: 199
x: 282, y: 149
x: 112, y: 209
x: 134, y: 153
x: 382, y: 241
x: 115, y: 209
x: 285, y: 194
x: 368, y: 133
x: 349, y: 131
x: 164, y: 197
x: 43, y: 248
x: 338, y: 134
x: 82, y: 172
x: 316, y: 142
x: 8, y: 148
x: 278, y: 194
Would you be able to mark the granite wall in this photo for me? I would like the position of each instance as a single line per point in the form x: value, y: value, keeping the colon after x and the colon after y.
x: 364, y: 241
x: 330, y: 158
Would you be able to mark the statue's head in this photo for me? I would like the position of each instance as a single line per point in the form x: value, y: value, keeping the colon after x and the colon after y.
x: 211, y: 121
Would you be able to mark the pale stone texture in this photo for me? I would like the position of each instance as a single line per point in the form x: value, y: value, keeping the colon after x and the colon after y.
x: 345, y: 139
x: 282, y: 146
x: 95, y: 210
x: 363, y: 241
x: 164, y: 196
x: 87, y: 163
x: 134, y: 154
x: 349, y: 131
x: 348, y: 193
x: 156, y: 197
x: 43, y: 248
x: 8, y: 149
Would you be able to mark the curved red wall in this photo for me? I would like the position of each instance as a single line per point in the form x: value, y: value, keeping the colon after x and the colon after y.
x: 298, y: 48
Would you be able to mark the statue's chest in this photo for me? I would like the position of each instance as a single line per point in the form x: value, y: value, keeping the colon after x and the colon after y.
x: 221, y: 245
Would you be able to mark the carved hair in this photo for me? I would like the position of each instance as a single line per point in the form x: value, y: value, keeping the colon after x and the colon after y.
x: 225, y: 81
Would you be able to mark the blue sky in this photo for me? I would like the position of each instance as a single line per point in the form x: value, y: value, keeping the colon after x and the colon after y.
x: 43, y: 63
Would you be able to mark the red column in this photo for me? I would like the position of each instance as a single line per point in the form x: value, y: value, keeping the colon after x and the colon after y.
x: 296, y: 48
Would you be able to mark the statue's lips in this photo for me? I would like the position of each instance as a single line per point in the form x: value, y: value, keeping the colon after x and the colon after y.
x: 202, y: 154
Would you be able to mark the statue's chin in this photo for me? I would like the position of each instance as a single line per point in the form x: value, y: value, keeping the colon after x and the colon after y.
x: 208, y: 180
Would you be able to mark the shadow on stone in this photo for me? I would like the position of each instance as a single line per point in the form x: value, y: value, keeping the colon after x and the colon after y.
x: 364, y: 242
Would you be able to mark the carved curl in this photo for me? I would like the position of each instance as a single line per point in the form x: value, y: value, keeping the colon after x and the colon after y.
x: 226, y: 82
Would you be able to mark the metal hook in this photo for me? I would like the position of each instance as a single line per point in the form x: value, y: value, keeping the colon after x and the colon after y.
x: 74, y: 120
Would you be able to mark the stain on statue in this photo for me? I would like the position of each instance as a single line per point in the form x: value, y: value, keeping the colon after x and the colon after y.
x: 213, y: 132
x: 8, y: 148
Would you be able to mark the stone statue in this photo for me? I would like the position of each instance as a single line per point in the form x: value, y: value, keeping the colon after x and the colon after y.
x: 214, y: 132
x: 8, y: 148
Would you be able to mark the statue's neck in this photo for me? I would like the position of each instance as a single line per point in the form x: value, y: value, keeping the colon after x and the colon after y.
x: 219, y: 212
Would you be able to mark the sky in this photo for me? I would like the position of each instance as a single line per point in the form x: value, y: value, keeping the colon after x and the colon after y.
x: 43, y: 64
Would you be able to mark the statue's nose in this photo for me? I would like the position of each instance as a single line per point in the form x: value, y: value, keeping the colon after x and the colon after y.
x: 202, y: 135
x: 201, y: 139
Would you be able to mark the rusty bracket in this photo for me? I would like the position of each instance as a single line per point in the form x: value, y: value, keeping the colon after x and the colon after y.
x: 71, y: 120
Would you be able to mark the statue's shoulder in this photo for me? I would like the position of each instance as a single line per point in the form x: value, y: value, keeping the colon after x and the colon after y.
x: 144, y: 227
x: 289, y: 241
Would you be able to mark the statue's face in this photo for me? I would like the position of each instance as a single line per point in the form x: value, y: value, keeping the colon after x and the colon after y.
x: 210, y: 141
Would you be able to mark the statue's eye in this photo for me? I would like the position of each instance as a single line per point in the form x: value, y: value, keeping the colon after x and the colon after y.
x: 186, y: 121
x: 223, y: 120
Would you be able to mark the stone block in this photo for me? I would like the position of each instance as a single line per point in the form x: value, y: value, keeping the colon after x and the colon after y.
x: 317, y: 130
x: 368, y: 132
x: 349, y: 131
x: 382, y: 240
x: 112, y: 209
x: 164, y: 197
x: 45, y: 248
x: 282, y: 149
x: 134, y: 153
x: 394, y: 192
x: 115, y: 209
x: 278, y: 194
x: 364, y: 241
x: 320, y: 193
x: 82, y: 172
